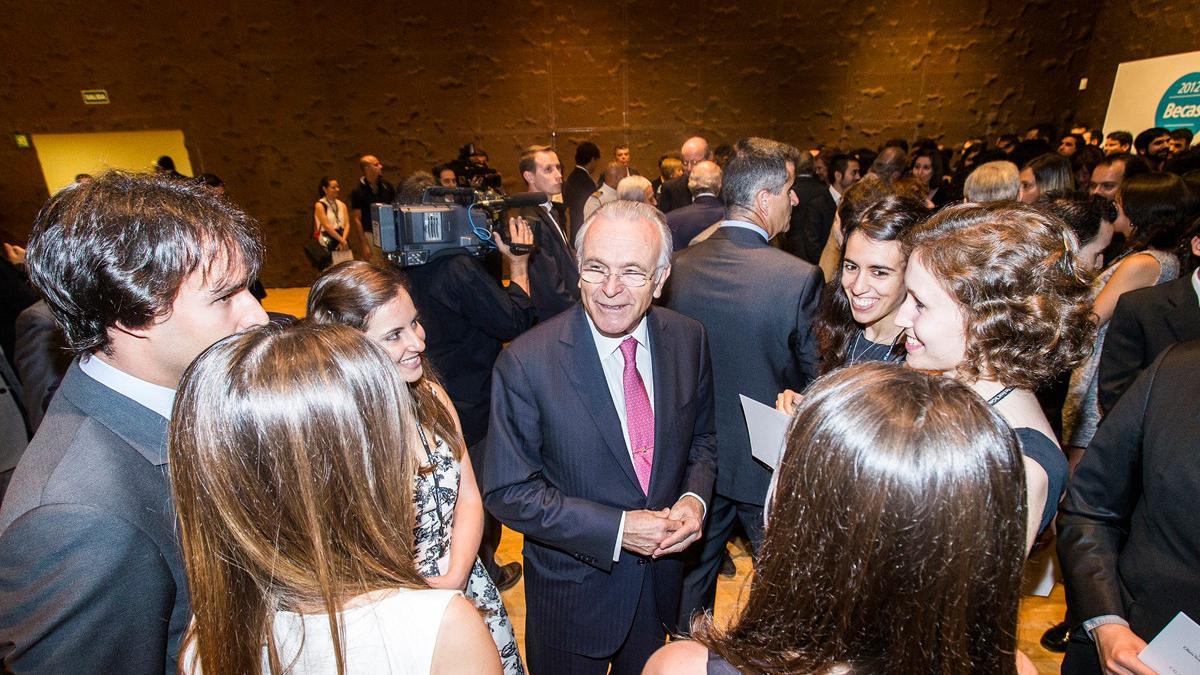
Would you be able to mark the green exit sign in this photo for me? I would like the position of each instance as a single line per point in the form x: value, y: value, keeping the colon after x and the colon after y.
x: 22, y: 140
x: 94, y: 96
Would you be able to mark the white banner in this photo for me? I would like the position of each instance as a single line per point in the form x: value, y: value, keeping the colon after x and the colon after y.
x: 1160, y: 92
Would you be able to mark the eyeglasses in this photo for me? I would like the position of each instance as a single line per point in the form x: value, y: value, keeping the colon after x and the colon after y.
x: 629, y: 278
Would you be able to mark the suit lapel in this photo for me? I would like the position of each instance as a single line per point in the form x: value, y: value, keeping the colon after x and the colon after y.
x: 1184, y: 315
x: 143, y: 429
x: 587, y: 377
x: 665, y: 398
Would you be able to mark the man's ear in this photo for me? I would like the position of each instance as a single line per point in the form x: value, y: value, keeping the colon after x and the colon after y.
x: 662, y: 280
x: 527, y: 176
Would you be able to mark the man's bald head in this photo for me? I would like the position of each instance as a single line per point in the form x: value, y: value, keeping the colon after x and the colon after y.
x: 694, y: 150
x: 889, y: 165
x: 614, y: 173
x: 705, y: 179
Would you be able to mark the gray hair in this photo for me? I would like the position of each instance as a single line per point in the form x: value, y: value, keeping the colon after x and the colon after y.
x: 705, y: 177
x: 630, y: 211
x: 993, y: 181
x: 633, y: 188
x: 757, y: 164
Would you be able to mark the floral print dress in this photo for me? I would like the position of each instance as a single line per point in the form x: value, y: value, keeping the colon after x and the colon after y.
x: 436, y: 494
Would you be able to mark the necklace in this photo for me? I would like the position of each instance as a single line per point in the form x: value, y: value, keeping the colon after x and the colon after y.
x: 857, y: 356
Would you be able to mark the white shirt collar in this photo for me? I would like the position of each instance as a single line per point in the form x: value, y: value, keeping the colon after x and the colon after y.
x: 153, y: 396
x: 837, y: 196
x: 1196, y: 282
x: 746, y: 226
x: 605, y: 345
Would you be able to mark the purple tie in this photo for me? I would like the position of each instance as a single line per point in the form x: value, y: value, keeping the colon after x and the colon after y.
x: 639, y: 417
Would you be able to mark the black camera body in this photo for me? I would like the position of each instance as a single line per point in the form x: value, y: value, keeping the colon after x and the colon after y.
x: 413, y: 234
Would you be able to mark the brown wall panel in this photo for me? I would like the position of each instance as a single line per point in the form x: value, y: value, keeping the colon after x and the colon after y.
x: 271, y: 95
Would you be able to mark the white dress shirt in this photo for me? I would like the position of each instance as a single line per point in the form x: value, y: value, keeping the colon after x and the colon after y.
x: 837, y: 196
x: 149, y: 395
x: 612, y: 361
x: 1196, y: 283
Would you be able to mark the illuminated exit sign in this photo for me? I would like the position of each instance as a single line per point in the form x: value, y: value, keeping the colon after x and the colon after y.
x: 95, y: 96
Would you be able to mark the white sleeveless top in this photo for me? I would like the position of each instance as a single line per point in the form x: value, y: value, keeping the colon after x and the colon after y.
x: 393, y: 635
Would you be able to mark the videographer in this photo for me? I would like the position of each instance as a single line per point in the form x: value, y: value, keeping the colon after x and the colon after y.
x: 467, y: 318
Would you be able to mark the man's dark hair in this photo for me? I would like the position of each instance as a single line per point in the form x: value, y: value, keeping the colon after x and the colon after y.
x: 1080, y: 212
x: 1028, y: 150
x: 838, y: 164
x: 586, y: 153
x: 1134, y: 165
x: 211, y: 180
x: 1009, y: 138
x: 1182, y: 134
x: 1121, y: 137
x: 165, y: 163
x: 1096, y: 135
x: 895, y: 143
x: 117, y: 250
x: 413, y: 187
x: 865, y: 156
x: 1184, y: 162
x: 1045, y: 131
x: 1143, y: 140
x: 757, y: 164
x: 722, y: 153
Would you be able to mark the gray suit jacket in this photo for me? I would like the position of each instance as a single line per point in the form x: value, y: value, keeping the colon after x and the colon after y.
x: 90, y: 577
x: 41, y: 359
x: 757, y: 304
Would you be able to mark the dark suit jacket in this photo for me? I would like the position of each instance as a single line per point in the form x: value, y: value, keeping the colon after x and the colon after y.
x: 467, y: 318
x: 688, y: 221
x: 556, y: 468
x: 757, y: 304
x: 812, y: 219
x: 90, y: 576
x: 1127, y: 534
x: 576, y: 189
x: 673, y: 194
x: 1143, y: 324
x: 41, y: 359
x: 553, y: 274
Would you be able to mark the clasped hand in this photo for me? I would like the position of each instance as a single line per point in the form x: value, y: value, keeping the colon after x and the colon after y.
x: 659, y: 533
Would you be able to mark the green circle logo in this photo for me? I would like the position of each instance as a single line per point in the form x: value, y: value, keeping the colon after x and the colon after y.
x: 1179, y: 107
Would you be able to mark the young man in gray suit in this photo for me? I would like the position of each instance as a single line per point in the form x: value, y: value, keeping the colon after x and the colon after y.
x: 142, y: 274
x: 757, y: 304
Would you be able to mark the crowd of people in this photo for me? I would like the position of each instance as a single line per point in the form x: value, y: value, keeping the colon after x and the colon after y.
x: 968, y: 343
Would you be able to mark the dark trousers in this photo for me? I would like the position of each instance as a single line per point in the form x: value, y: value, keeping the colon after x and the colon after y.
x: 704, y: 565
x: 488, y: 545
x: 1081, y: 657
x: 646, y: 635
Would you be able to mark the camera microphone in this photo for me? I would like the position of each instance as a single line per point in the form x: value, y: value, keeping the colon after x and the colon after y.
x: 516, y: 201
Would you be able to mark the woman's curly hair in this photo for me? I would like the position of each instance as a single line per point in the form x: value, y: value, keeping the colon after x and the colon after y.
x: 1013, y: 269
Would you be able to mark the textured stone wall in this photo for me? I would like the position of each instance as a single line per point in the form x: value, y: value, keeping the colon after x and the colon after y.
x: 271, y: 95
x: 1129, y: 31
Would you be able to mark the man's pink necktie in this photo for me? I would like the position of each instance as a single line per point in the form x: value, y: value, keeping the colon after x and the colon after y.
x: 639, y: 417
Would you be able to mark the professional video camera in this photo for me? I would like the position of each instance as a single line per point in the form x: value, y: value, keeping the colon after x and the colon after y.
x: 412, y: 234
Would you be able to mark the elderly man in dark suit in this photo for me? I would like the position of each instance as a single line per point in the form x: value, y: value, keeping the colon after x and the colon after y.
x: 553, y: 279
x: 1127, y: 533
x: 1143, y: 324
x: 600, y: 451
x: 142, y: 273
x: 706, y: 208
x: 674, y: 194
x: 757, y: 304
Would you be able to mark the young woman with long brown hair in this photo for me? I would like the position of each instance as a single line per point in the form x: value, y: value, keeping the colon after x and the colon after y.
x: 295, y: 514
x: 894, y: 542
x: 449, y: 519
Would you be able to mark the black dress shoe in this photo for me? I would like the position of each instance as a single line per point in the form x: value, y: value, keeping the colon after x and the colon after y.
x: 728, y: 569
x: 509, y: 575
x: 1056, y: 638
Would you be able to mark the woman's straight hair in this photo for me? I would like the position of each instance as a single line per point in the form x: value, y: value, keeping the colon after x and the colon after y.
x: 291, y: 468
x: 896, y: 535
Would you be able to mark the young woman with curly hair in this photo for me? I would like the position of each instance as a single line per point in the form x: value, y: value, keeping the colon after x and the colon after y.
x: 998, y: 300
x: 894, y: 544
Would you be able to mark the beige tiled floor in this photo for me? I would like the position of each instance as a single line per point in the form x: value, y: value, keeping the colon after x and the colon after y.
x: 1037, y: 614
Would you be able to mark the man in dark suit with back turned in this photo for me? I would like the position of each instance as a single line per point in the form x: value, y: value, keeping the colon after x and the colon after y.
x: 757, y: 304
x: 142, y: 273
x: 1143, y: 324
x: 674, y: 193
x: 1127, y: 533
x: 579, y: 185
x: 600, y: 451
x: 553, y: 279
x: 706, y: 208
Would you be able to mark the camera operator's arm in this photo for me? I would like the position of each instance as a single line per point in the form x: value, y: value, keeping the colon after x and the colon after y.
x: 519, y: 233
